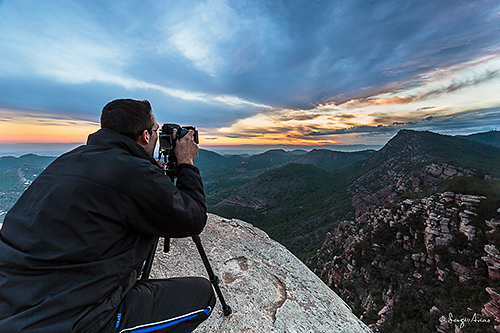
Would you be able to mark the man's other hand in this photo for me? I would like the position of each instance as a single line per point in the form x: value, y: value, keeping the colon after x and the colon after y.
x: 186, y: 149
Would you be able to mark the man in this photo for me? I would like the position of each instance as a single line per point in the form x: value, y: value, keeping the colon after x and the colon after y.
x: 72, y: 247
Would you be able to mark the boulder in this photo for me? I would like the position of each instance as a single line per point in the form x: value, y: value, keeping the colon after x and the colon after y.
x: 267, y: 287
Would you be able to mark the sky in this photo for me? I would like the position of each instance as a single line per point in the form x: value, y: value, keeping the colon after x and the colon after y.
x: 250, y: 74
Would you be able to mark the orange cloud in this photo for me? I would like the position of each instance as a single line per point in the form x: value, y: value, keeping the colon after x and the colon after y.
x: 16, y: 128
x: 361, y: 103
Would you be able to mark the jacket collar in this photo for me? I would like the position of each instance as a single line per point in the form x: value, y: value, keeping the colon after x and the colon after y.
x: 111, y: 138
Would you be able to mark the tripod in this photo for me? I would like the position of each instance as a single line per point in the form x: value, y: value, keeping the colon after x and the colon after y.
x: 167, y: 147
x: 213, y: 278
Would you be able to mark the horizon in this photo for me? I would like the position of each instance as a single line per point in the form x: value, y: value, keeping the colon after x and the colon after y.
x: 56, y: 149
x: 252, y: 73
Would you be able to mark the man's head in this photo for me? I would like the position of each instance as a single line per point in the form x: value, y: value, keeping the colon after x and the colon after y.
x: 132, y: 118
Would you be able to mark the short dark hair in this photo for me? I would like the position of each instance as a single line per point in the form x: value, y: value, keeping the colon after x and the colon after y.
x: 128, y: 117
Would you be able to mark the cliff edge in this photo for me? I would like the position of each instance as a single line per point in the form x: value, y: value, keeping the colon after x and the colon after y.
x: 267, y: 287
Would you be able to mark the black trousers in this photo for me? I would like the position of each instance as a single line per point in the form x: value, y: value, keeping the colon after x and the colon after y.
x: 169, y: 305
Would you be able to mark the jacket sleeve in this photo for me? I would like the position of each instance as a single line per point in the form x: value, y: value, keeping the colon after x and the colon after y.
x: 162, y: 209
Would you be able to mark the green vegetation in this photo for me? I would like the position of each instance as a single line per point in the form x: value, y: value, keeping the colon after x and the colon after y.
x: 476, y: 186
x: 297, y: 204
x: 490, y: 138
x: 482, y: 158
x: 295, y: 197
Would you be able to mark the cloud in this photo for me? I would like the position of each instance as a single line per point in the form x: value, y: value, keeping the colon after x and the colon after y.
x: 461, y: 123
x: 436, y: 83
x: 461, y: 83
x: 56, y: 43
x: 249, y: 69
x: 74, y: 54
x: 382, y: 115
x: 295, y: 56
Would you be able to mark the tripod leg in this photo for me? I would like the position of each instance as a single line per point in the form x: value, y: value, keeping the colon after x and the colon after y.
x: 149, y: 261
x: 213, y: 278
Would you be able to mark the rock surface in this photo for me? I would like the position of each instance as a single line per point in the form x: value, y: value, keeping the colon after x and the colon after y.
x: 267, y: 287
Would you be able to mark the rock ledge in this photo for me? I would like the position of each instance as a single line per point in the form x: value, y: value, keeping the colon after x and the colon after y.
x: 267, y: 287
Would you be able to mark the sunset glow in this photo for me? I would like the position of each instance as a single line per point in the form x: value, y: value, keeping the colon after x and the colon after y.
x: 15, y: 128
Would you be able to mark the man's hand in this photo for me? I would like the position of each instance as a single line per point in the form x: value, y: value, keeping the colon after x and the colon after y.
x: 185, y: 149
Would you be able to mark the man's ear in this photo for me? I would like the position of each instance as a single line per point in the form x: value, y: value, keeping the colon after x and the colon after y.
x: 144, y: 138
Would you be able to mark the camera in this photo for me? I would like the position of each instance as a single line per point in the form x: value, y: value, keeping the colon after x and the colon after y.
x: 167, y: 145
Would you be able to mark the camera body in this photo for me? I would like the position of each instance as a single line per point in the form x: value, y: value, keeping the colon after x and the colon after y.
x: 168, y: 142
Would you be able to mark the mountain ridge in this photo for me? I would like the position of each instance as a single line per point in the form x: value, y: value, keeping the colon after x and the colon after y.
x: 418, y: 161
x: 491, y: 137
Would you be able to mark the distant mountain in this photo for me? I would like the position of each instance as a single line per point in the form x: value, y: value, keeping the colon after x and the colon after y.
x: 211, y: 162
x: 490, y: 138
x: 10, y: 162
x: 221, y: 173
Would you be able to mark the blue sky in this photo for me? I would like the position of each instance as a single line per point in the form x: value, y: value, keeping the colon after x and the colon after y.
x: 251, y: 72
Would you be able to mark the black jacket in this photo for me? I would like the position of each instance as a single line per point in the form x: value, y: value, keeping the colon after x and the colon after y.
x: 74, y: 243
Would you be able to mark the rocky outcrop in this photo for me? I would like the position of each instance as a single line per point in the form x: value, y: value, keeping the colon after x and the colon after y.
x: 268, y: 288
x: 492, y: 308
x: 381, y: 186
x: 417, y: 244
x: 492, y: 259
x: 446, y: 171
